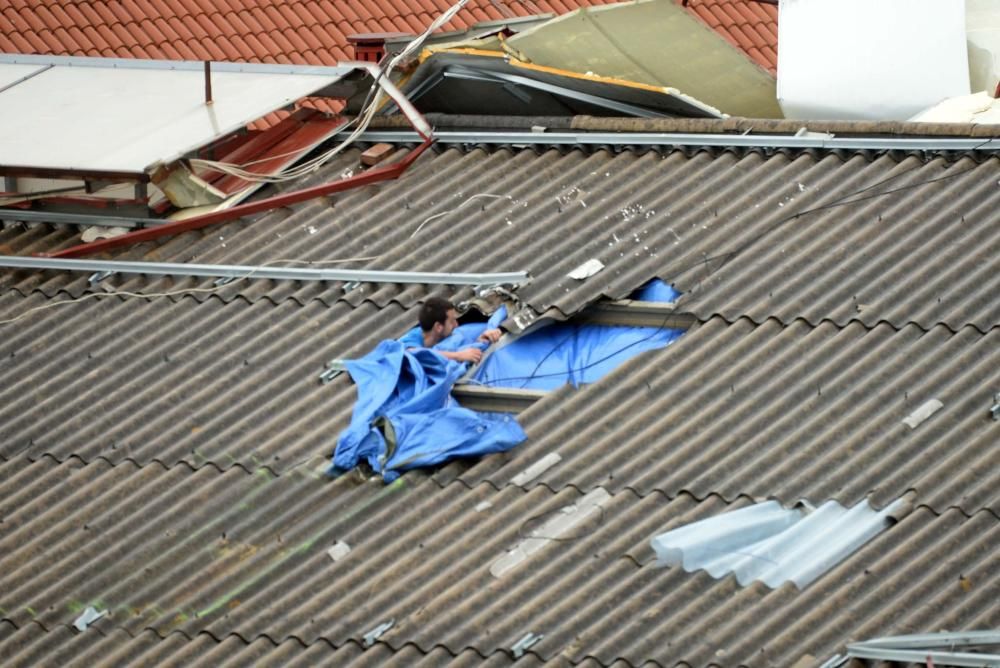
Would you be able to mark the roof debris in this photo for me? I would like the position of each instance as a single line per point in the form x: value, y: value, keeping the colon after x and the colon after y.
x: 927, y: 409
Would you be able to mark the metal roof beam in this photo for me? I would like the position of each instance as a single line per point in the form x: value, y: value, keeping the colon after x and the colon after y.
x: 634, y: 313
x: 264, y: 271
x: 990, y: 145
x: 496, y: 399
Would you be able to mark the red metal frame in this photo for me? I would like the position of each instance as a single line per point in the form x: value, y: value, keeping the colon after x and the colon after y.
x: 371, y: 176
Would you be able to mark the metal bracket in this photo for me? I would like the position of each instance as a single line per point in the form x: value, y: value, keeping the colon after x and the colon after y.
x: 524, y: 644
x: 995, y: 409
x: 225, y: 280
x: 99, y: 276
x: 333, y: 369
x: 351, y: 285
x: 377, y: 632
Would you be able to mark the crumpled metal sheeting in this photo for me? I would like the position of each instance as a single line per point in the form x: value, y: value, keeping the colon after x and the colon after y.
x: 773, y: 544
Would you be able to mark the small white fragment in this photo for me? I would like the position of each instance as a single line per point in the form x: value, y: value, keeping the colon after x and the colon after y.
x: 928, y: 409
x: 536, y: 469
x: 96, y: 232
x: 339, y: 550
x: 587, y: 269
x: 485, y: 505
x: 88, y: 617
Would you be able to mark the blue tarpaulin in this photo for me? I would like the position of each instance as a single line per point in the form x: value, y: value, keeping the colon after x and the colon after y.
x: 405, y: 416
x: 567, y: 353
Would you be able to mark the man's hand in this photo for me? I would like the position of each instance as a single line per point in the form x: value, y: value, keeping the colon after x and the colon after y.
x: 490, y: 336
x: 473, y: 355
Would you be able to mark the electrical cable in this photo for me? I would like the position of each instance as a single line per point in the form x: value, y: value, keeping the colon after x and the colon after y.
x: 370, y: 107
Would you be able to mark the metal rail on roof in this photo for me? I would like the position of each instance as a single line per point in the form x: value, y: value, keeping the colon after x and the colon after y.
x: 670, y: 139
x: 181, y: 65
x: 261, y: 271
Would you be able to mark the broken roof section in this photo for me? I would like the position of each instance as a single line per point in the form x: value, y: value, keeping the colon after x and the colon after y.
x: 652, y: 45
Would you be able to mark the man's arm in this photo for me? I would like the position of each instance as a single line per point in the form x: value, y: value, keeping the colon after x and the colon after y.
x: 473, y: 355
x: 490, y: 336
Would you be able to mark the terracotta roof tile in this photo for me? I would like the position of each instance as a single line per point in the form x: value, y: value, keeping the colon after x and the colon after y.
x: 748, y: 25
x: 303, y: 31
x: 6, y: 44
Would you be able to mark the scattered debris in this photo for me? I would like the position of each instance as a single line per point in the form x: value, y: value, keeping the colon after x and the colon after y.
x: 376, y: 154
x: 88, y: 617
x: 929, y: 408
x: 96, y: 232
x: 524, y: 644
x: 339, y: 550
x: 586, y: 270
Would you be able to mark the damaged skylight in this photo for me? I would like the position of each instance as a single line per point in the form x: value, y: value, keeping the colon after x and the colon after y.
x: 575, y: 353
x: 773, y: 544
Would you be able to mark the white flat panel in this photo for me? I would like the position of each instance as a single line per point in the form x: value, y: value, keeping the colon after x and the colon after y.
x: 869, y: 59
x: 127, y: 120
x: 10, y: 74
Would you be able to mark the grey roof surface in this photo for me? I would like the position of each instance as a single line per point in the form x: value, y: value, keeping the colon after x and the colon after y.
x: 160, y: 457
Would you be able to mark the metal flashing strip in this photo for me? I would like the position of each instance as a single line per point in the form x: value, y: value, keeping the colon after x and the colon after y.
x: 496, y: 399
x: 990, y: 145
x: 635, y: 313
x: 262, y: 271
x: 182, y: 65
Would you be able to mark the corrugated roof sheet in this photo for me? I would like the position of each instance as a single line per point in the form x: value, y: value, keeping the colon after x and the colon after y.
x: 224, y: 553
x: 159, y: 457
x: 812, y: 235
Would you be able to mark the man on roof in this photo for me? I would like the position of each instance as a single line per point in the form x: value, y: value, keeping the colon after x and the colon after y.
x: 438, y: 318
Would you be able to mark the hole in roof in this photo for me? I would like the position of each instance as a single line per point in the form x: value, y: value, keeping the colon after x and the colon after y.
x: 576, y: 352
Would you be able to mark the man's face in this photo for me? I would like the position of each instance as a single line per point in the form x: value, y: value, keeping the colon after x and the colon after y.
x: 449, y: 324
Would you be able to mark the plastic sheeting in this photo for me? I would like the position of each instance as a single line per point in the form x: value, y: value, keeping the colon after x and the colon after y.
x: 773, y: 544
x: 405, y: 416
x: 577, y: 354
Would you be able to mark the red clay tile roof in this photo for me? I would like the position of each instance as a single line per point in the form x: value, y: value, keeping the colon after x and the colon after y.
x: 305, y: 31
x: 747, y: 24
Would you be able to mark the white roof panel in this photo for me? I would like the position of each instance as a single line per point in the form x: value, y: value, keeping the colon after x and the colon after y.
x: 125, y: 119
x: 11, y: 74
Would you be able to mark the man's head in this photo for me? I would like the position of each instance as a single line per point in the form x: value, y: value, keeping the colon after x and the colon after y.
x: 439, y: 317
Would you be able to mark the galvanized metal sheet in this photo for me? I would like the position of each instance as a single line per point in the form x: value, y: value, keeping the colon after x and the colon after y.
x: 127, y: 120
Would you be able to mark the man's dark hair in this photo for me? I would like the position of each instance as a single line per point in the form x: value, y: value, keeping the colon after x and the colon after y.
x: 433, y: 311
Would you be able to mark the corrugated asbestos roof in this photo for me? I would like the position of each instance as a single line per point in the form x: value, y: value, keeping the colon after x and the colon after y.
x: 160, y: 457
x: 312, y: 32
